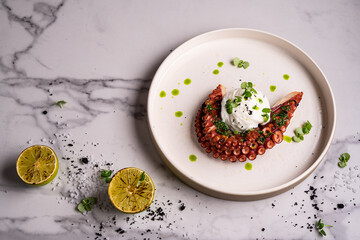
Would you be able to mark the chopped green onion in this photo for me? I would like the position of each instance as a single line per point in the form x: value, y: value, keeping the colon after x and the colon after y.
x: 299, y: 131
x: 266, y: 117
x: 296, y: 139
x: 255, y: 107
x: 260, y: 100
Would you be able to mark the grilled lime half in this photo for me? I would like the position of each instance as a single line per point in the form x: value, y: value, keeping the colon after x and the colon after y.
x: 37, y: 165
x: 131, y: 190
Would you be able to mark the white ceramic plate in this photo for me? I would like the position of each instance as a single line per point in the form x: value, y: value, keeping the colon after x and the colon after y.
x: 270, y: 58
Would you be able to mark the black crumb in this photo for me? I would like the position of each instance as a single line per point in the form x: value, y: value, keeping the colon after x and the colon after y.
x: 182, y: 207
x: 340, y: 206
x: 44, y: 112
x: 70, y: 145
x: 84, y: 160
x: 120, y: 230
x: 263, y: 229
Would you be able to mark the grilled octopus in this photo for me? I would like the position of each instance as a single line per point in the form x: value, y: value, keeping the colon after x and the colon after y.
x: 216, y: 138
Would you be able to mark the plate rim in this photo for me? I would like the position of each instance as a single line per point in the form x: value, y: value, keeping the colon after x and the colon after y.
x: 246, y: 195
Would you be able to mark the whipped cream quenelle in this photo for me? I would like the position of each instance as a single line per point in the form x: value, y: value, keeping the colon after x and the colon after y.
x: 245, y: 108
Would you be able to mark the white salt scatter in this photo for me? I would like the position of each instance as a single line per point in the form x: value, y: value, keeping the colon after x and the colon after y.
x: 353, y: 190
x: 53, y: 189
x: 337, y: 172
x: 52, y: 141
x: 43, y: 140
x: 356, y: 167
x: 29, y: 141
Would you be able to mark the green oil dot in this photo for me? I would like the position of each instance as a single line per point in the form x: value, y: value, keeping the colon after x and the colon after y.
x: 248, y: 166
x: 287, y: 139
x: 178, y: 114
x: 181, y: 124
x: 286, y: 77
x: 175, y: 92
x: 216, y: 72
x: 220, y: 64
x: 187, y: 81
x: 192, y: 158
x: 162, y: 94
x: 272, y: 88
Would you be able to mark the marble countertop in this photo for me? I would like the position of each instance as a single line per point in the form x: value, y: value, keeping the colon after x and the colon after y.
x: 100, y: 56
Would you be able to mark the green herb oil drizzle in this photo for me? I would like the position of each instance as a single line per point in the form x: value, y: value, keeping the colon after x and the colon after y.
x: 178, y: 114
x: 162, y: 94
x: 187, y: 81
x: 248, y: 166
x: 175, y: 92
x: 192, y: 158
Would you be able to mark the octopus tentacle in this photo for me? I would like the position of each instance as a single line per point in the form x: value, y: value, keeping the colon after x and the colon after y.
x: 225, y: 144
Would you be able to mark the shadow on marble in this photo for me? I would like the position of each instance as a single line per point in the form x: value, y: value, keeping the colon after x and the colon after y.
x: 9, y: 174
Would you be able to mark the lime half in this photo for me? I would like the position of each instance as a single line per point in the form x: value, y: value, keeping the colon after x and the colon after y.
x: 37, y: 165
x: 131, y: 190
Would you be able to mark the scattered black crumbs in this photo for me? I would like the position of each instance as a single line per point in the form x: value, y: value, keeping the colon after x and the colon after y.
x: 263, y: 229
x: 70, y: 145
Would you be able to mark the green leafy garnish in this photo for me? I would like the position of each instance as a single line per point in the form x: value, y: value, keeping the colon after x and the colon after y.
x: 221, y: 127
x: 142, y: 178
x: 245, y: 64
x: 307, y: 127
x: 237, y: 62
x: 261, y: 139
x: 280, y: 118
x: 320, y: 226
x: 247, y: 94
x: 286, y: 108
x: 230, y: 105
x: 342, y: 164
x: 266, y: 110
x: 244, y: 85
x: 344, y: 158
x: 260, y: 100
x: 209, y: 107
x: 301, y: 131
x: 86, y: 204
x: 60, y: 103
x: 106, y: 175
x: 255, y: 107
x: 236, y: 132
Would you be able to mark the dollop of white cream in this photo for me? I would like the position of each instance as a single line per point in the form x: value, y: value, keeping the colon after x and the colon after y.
x: 246, y: 115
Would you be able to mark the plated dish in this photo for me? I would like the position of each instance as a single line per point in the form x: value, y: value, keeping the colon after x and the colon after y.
x: 192, y: 71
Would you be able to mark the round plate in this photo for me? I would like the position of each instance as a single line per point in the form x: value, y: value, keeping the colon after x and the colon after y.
x: 270, y: 57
